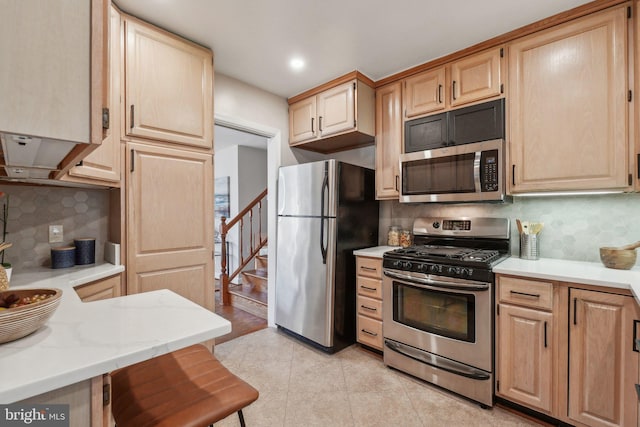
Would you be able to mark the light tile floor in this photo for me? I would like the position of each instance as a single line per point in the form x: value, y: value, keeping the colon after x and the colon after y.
x: 301, y: 386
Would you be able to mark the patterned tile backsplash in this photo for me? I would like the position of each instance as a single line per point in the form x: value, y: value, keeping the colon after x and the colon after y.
x: 575, y: 227
x: 82, y: 213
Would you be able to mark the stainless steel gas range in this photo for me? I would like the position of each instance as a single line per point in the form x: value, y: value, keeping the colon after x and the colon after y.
x: 438, y: 299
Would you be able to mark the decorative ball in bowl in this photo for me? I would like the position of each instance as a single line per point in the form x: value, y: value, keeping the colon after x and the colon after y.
x: 621, y: 259
x: 24, y: 311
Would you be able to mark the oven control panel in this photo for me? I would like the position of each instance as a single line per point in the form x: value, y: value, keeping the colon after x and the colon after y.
x: 429, y: 268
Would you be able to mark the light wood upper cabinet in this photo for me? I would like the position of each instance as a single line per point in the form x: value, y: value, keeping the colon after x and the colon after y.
x: 53, y: 82
x: 168, y: 89
x: 338, y: 118
x: 302, y: 120
x: 336, y: 112
x: 603, y: 366
x: 169, y: 221
x: 424, y: 93
x: 102, y: 166
x: 476, y: 77
x: 568, y: 100
x: 471, y: 79
x: 388, y: 140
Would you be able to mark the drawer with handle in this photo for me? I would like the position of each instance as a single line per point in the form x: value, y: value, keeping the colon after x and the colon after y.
x: 370, y: 267
x: 526, y: 292
x: 370, y: 332
x: 369, y: 287
x: 370, y: 307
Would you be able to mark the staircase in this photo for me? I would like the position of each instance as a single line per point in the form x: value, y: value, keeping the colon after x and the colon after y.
x: 251, y: 294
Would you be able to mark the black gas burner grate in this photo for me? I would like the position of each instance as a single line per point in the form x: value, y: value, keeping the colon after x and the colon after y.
x: 446, y: 254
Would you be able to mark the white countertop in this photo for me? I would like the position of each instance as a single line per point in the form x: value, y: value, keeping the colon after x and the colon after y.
x: 374, y: 252
x: 83, y: 340
x: 587, y: 273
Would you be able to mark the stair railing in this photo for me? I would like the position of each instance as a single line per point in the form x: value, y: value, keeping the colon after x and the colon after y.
x: 256, y: 241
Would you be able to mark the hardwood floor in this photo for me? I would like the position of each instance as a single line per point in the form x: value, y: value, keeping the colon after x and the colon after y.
x: 242, y: 323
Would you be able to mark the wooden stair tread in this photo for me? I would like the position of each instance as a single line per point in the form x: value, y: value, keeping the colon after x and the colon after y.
x: 259, y: 273
x: 250, y: 293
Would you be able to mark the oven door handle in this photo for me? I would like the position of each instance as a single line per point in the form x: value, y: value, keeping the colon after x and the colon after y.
x: 428, y: 283
x: 437, y: 362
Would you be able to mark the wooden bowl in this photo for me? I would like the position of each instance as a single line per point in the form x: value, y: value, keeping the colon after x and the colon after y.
x: 621, y: 259
x: 21, y: 321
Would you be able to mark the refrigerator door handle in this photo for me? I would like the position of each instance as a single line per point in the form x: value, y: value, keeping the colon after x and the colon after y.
x: 325, y: 188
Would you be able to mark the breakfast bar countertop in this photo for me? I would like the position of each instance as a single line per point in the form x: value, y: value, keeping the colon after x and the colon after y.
x: 586, y: 273
x: 86, y: 339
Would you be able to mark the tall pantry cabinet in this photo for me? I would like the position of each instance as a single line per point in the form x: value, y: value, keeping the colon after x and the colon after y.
x: 167, y: 147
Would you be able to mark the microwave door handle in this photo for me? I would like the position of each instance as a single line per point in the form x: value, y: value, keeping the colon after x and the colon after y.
x: 476, y: 171
x: 428, y: 283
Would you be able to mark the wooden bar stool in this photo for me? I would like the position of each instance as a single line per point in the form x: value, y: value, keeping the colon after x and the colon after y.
x: 188, y: 387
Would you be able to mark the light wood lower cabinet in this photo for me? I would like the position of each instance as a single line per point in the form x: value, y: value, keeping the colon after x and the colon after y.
x: 87, y: 406
x: 568, y: 350
x: 100, y: 289
x: 603, y: 362
x: 525, y: 341
x: 169, y: 221
x: 369, y: 301
x: 526, y: 356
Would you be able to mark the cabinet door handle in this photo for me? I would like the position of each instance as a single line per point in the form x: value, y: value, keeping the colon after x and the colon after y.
x: 513, y: 174
x: 368, y: 288
x: 131, y: 116
x: 368, y: 268
x: 439, y: 94
x: 312, y: 131
x: 545, y: 334
x: 524, y: 294
x: 373, y: 334
x: 575, y: 316
x: 397, y: 179
x: 320, y: 124
x: 368, y: 308
x: 636, y: 341
x: 453, y: 90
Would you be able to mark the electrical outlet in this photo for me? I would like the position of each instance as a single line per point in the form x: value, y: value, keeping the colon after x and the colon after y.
x: 55, y: 234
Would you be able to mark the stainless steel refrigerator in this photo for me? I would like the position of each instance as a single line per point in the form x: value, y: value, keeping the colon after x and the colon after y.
x: 326, y: 210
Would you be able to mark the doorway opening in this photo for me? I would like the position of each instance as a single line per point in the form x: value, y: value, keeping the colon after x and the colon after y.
x: 241, y: 174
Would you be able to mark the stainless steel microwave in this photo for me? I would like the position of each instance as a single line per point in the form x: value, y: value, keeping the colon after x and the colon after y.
x: 459, y: 173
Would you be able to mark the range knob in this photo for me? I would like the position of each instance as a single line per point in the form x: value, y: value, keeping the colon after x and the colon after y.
x: 436, y: 224
x: 407, y: 265
x: 397, y: 263
x: 434, y: 268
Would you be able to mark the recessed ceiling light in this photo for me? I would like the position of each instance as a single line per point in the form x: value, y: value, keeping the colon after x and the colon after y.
x: 296, y: 64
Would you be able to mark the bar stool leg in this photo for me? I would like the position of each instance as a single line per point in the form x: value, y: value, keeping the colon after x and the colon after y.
x: 241, y: 418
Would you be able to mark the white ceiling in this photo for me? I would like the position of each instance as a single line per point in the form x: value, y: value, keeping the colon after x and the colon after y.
x: 225, y: 137
x: 254, y: 40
